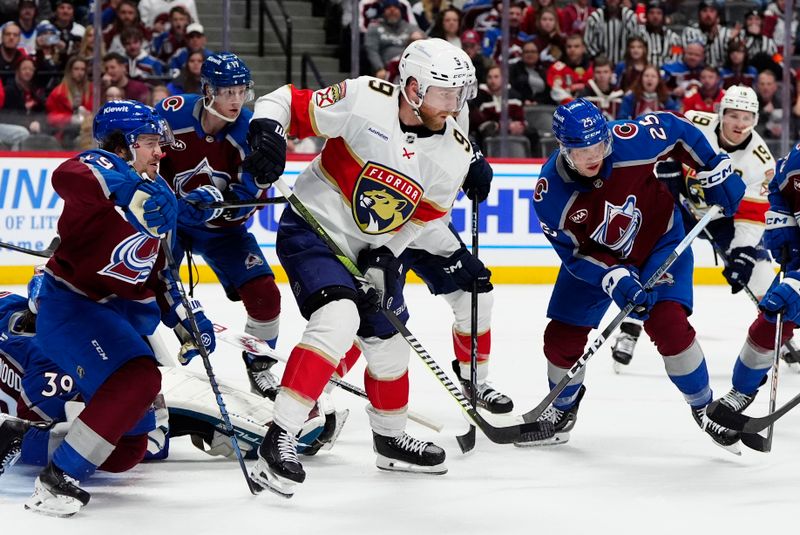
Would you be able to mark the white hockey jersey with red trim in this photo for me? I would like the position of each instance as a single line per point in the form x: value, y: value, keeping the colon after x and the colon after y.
x: 756, y: 165
x: 372, y: 184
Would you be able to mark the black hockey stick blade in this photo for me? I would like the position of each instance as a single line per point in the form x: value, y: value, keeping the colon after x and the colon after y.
x: 44, y: 253
x: 467, y: 441
x: 747, y: 424
x: 757, y: 442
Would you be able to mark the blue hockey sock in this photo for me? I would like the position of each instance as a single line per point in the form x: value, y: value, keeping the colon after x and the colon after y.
x: 746, y: 379
x: 688, y: 371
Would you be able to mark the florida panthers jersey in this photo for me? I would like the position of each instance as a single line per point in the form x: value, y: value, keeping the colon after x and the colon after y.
x: 373, y: 182
x: 754, y: 163
x: 101, y: 255
x: 618, y: 216
x: 198, y: 159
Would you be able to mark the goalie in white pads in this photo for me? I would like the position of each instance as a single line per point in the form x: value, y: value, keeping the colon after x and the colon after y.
x: 373, y: 192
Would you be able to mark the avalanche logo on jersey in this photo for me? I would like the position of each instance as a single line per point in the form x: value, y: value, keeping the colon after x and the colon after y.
x: 383, y: 199
x: 184, y: 183
x: 620, y: 226
x: 133, y: 259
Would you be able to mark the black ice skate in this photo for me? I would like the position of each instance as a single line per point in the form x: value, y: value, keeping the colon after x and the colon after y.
x: 736, y: 401
x: 334, y: 422
x: 407, y: 454
x: 262, y: 381
x: 624, y: 344
x: 723, y: 437
x: 56, y: 494
x: 488, y: 398
x: 11, y: 433
x: 278, y: 468
x: 562, y: 420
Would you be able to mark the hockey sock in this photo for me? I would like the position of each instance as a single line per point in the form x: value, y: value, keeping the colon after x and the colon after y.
x: 687, y: 370
x: 462, y: 346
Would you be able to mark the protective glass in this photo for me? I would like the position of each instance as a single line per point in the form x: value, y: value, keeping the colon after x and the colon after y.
x: 449, y: 99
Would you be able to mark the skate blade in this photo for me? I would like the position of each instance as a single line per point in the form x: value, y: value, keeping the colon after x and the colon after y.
x: 393, y: 465
x: 276, y: 484
x: 555, y: 440
x: 48, y: 504
x: 10, y: 461
x: 341, y: 418
x: 734, y: 448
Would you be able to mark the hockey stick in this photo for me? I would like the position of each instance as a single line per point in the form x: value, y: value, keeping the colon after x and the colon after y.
x: 467, y: 440
x: 533, y: 414
x: 244, y: 203
x: 256, y: 346
x: 747, y: 424
x: 195, y: 333
x: 44, y: 253
x: 500, y: 435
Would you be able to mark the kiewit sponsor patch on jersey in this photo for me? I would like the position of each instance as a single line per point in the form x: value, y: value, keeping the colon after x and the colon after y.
x: 383, y: 199
x: 330, y: 95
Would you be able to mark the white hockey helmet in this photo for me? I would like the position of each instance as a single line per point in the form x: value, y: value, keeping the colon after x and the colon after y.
x: 739, y: 97
x: 435, y: 63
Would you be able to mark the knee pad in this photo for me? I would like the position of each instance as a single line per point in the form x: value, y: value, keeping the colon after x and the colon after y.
x: 387, y: 359
x: 129, y: 452
x: 564, y: 343
x: 669, y: 328
x: 262, y: 299
x: 461, y: 303
x: 332, y: 328
x: 324, y: 296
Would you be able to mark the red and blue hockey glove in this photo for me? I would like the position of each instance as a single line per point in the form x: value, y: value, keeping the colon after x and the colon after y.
x: 382, y: 270
x: 189, y: 211
x: 153, y: 208
x: 478, y: 182
x: 783, y: 298
x: 623, y: 286
x: 465, y: 270
x: 722, y: 185
x: 267, y: 141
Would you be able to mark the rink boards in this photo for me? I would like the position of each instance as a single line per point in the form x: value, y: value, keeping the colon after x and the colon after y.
x: 511, y: 240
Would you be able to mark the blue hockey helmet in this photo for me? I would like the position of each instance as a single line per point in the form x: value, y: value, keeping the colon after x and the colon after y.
x: 34, y: 288
x: 132, y: 119
x: 223, y: 70
x: 579, y: 125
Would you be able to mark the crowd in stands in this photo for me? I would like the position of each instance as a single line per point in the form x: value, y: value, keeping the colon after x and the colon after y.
x: 150, y: 49
x: 628, y: 57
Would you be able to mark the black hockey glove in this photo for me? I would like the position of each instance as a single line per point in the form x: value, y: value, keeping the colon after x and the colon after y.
x: 478, y: 182
x: 267, y: 141
x: 383, y: 271
x: 741, y: 261
x: 464, y: 269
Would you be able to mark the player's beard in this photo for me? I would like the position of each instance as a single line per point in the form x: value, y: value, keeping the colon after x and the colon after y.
x: 431, y: 121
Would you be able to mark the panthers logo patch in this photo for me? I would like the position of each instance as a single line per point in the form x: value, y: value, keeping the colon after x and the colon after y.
x: 383, y: 199
x: 330, y: 95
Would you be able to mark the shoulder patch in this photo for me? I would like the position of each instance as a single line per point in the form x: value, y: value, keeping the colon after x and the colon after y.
x: 540, y: 189
x: 330, y: 95
x: 173, y: 103
x: 625, y: 130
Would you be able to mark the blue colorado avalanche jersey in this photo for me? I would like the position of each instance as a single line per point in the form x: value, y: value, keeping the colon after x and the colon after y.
x: 618, y: 216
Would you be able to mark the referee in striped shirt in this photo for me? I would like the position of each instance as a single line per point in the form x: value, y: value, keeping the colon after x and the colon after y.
x: 710, y: 32
x: 608, y: 29
x: 663, y: 45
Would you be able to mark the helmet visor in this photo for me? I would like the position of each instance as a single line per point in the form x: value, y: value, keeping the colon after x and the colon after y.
x: 161, y: 129
x: 582, y: 158
x: 234, y: 94
x: 449, y: 99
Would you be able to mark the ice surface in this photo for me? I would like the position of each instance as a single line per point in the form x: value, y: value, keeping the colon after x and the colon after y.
x: 636, y: 462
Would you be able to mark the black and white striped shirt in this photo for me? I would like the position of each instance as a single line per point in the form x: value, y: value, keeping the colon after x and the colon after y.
x: 608, y: 36
x: 716, y: 49
x: 758, y: 44
x: 664, y: 47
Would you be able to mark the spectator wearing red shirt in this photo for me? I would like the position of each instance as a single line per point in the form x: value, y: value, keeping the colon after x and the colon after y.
x: 529, y: 17
x: 568, y: 77
x: 69, y: 103
x: 707, y: 95
x: 572, y: 18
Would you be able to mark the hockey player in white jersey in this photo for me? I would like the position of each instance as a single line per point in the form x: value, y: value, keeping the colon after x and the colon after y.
x: 748, y: 264
x: 373, y: 192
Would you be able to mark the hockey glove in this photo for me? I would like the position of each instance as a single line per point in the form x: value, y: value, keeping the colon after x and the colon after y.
x: 722, y: 185
x: 383, y: 271
x: 782, y: 232
x: 238, y: 192
x: 465, y: 270
x: 478, y: 182
x: 741, y: 261
x: 189, y: 212
x: 178, y: 320
x: 785, y: 298
x: 267, y: 141
x: 623, y: 286
x: 153, y: 209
